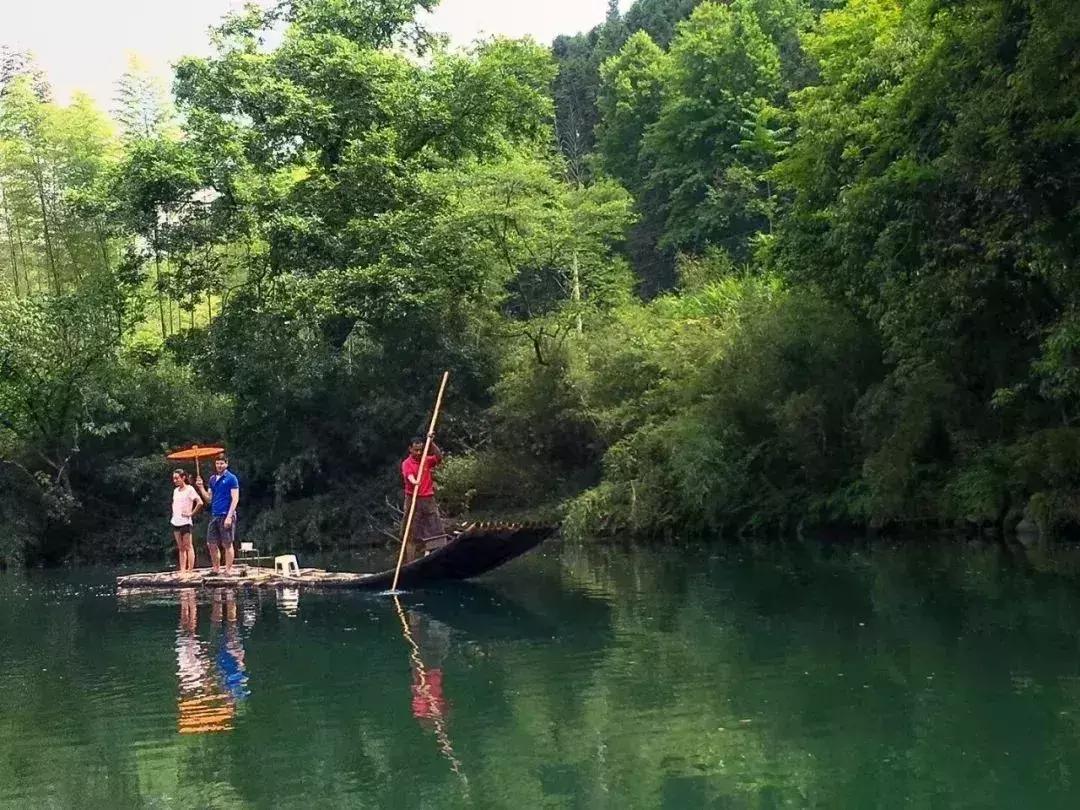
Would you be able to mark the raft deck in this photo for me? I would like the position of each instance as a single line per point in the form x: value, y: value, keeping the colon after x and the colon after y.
x: 469, y: 553
x: 242, y: 575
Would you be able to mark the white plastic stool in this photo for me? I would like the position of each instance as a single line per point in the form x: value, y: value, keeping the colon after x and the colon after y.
x: 286, y: 565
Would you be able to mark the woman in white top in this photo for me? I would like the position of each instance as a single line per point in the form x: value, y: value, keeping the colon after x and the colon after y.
x: 186, y: 503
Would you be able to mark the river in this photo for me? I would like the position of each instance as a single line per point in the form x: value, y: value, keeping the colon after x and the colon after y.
x: 920, y: 674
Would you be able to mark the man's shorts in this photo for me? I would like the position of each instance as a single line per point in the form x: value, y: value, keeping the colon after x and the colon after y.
x: 218, y: 535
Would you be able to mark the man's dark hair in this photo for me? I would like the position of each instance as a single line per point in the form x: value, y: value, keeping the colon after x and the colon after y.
x: 222, y: 457
x: 418, y: 440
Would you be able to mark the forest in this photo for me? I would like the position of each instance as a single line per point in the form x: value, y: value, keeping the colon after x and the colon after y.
x: 710, y: 270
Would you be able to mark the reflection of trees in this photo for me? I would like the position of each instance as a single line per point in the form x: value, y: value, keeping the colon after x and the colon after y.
x: 869, y: 677
x: 891, y: 646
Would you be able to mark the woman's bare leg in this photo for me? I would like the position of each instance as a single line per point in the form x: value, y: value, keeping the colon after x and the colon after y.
x: 187, y: 552
x: 180, y: 555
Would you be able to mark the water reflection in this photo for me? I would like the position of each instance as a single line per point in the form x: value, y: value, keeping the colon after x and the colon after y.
x: 288, y: 601
x: 212, y: 674
x: 796, y: 676
x: 428, y: 642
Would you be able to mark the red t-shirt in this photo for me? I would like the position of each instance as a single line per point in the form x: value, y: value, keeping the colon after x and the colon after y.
x: 410, y: 467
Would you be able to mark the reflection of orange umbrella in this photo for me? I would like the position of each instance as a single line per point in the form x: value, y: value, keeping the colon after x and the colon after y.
x: 195, y: 452
x: 205, y: 713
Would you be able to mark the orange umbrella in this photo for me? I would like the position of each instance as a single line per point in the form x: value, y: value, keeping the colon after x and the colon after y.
x: 195, y: 452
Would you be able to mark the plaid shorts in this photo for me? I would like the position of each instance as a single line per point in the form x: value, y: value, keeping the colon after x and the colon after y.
x: 218, y: 535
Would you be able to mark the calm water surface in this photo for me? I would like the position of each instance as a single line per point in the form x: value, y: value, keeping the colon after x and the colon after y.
x: 925, y: 675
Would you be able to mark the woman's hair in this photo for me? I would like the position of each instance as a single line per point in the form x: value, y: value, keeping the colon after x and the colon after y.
x: 183, y: 474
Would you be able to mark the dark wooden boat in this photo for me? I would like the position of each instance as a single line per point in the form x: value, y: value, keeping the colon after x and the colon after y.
x: 469, y: 552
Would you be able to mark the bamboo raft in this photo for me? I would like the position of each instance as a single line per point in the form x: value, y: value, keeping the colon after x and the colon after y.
x: 473, y: 551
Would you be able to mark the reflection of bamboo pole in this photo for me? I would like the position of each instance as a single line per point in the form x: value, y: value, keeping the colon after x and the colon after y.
x: 425, y: 688
x: 419, y: 478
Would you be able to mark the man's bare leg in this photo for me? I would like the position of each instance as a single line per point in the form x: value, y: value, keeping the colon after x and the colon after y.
x: 229, y: 556
x: 215, y: 564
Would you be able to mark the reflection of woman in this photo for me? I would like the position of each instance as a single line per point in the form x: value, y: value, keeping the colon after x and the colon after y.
x: 190, y: 662
x: 186, y: 503
x: 188, y: 611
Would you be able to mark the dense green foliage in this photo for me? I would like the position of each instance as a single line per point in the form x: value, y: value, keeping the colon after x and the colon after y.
x: 856, y: 223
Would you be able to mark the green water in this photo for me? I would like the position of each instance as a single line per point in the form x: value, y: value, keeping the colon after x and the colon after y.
x: 923, y: 675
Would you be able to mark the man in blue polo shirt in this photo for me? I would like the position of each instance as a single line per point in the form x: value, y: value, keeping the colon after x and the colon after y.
x: 223, y: 497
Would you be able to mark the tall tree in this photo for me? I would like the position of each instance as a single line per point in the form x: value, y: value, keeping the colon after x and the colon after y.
x: 631, y: 95
x: 326, y: 148
x: 143, y: 108
x: 659, y: 18
x: 576, y: 84
x: 30, y: 186
x: 14, y: 63
x: 58, y: 357
x: 723, y: 68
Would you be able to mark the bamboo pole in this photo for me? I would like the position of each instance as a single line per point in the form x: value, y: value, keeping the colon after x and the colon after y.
x: 419, y: 478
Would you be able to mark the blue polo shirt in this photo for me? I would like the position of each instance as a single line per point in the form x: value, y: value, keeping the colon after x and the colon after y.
x: 221, y: 487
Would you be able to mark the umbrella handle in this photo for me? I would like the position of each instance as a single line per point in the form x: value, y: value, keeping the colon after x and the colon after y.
x: 195, y: 447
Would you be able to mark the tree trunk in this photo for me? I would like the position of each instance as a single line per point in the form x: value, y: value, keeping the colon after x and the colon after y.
x: 157, y: 283
x: 22, y: 252
x: 577, y: 288
x: 39, y: 180
x: 11, y: 244
x: 160, y: 298
x: 103, y: 243
x: 769, y: 207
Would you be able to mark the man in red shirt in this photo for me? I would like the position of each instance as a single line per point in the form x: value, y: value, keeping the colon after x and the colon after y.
x: 427, y: 523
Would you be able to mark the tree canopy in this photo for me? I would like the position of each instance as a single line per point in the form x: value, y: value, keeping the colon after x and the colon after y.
x: 708, y: 267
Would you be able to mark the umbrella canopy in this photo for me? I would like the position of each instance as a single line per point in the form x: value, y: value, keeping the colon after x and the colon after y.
x: 195, y: 452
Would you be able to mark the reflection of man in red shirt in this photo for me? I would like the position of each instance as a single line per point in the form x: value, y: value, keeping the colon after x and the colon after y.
x: 428, y: 701
x: 427, y: 523
x: 432, y: 641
